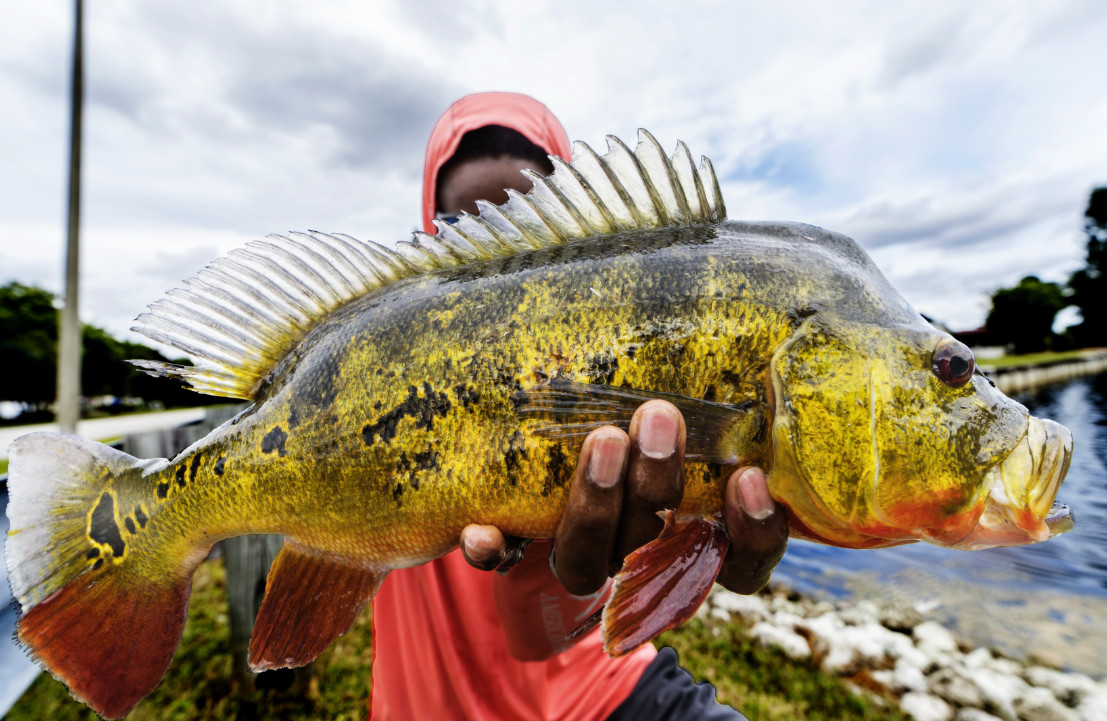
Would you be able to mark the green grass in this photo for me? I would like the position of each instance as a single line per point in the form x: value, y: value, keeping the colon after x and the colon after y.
x: 1032, y: 359
x: 764, y: 683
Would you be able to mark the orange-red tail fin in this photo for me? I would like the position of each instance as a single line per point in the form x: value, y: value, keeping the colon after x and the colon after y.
x: 96, y: 621
x: 663, y: 583
x: 310, y: 600
x: 108, y: 640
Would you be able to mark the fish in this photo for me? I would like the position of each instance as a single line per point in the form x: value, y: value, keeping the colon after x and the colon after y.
x: 400, y: 394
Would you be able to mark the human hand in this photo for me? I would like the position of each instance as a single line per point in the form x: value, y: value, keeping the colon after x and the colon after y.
x: 621, y: 482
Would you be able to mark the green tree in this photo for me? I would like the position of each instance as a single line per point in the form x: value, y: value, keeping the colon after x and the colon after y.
x: 1023, y: 316
x: 1089, y: 284
x: 28, y: 347
x: 28, y: 344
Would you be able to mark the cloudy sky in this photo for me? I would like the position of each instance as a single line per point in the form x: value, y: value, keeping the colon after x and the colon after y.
x: 957, y: 142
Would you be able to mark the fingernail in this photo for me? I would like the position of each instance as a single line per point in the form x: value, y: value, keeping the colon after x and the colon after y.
x: 479, y: 544
x: 605, y: 467
x: 657, y: 434
x: 754, y: 494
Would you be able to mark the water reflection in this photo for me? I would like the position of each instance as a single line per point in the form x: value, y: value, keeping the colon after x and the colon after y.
x: 1058, y: 587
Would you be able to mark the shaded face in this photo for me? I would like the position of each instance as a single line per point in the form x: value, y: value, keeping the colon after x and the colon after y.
x: 482, y: 179
x: 885, y: 436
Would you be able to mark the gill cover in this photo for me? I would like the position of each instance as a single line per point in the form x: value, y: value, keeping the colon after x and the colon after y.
x: 872, y: 448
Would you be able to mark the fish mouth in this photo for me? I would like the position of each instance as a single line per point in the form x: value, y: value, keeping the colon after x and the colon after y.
x: 1020, y: 506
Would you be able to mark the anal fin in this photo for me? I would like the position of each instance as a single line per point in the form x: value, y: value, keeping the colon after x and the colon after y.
x: 310, y: 600
x: 663, y: 583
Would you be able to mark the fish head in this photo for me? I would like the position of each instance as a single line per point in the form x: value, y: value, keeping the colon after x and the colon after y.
x: 883, y: 436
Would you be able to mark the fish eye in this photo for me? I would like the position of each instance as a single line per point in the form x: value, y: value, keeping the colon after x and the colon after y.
x: 953, y: 362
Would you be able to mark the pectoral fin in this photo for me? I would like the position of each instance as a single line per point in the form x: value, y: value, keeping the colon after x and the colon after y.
x: 717, y: 432
x: 663, y: 583
x: 310, y: 600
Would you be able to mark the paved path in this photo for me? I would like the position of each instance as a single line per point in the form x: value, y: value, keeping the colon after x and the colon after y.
x: 103, y: 428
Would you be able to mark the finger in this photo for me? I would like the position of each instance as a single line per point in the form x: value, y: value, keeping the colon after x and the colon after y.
x: 487, y: 549
x: 586, y: 534
x: 654, y: 477
x: 758, y: 529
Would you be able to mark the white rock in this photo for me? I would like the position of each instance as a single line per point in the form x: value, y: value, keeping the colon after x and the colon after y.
x: 790, y: 642
x: 933, y: 639
x: 860, y: 613
x: 1039, y: 704
x: 787, y: 620
x: 901, y: 648
x: 904, y: 677
x: 1005, y: 665
x: 750, y: 608
x: 846, y: 648
x: 924, y: 707
x: 999, y: 690
x: 951, y: 685
x: 1093, y: 707
x: 1069, y: 688
x: 977, y: 658
x: 975, y: 714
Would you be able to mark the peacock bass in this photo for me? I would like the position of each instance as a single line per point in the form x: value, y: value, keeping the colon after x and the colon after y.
x: 401, y: 394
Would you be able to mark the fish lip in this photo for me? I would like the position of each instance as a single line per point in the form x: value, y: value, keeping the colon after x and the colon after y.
x: 1054, y: 456
x: 1034, y: 517
x: 1060, y: 519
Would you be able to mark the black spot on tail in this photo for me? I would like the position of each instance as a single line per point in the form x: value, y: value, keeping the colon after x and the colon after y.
x: 140, y: 516
x: 193, y: 467
x: 397, y: 494
x: 181, y: 475
x: 130, y: 526
x: 219, y: 465
x: 163, y: 490
x: 103, y: 528
x: 274, y: 441
x: 92, y: 553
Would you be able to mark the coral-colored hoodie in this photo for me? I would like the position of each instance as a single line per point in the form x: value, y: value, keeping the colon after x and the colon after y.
x: 521, y: 113
x: 440, y: 646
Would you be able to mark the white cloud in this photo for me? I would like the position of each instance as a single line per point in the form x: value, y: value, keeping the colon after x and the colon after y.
x: 956, y: 142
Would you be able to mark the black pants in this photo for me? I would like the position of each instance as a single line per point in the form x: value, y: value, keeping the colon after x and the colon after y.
x: 666, y: 692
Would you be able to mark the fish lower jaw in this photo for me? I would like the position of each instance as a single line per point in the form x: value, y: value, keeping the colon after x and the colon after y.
x: 1002, y: 523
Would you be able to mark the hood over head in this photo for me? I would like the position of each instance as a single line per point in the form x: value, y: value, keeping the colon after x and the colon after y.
x: 521, y: 113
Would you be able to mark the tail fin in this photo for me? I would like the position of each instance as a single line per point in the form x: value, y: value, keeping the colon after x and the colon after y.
x: 89, y: 616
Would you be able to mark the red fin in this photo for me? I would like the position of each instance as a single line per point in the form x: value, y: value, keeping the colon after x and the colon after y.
x: 310, y: 600
x: 663, y: 583
x: 110, y: 642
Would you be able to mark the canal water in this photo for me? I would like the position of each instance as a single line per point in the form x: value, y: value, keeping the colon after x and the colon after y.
x: 1048, y: 599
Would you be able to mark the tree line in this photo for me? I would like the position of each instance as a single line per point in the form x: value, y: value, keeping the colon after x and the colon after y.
x: 1022, y: 316
x: 29, y: 346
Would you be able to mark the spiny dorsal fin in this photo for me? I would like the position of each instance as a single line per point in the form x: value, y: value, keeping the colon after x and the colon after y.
x: 243, y: 313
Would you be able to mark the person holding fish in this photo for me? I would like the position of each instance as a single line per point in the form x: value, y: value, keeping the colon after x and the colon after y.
x: 455, y: 642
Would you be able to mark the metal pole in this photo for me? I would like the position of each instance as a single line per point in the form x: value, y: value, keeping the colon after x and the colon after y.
x: 69, y: 335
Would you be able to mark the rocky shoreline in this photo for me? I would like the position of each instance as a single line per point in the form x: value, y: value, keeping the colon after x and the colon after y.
x: 891, y: 651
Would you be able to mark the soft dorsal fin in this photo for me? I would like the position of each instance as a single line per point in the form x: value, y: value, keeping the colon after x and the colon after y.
x: 243, y: 313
